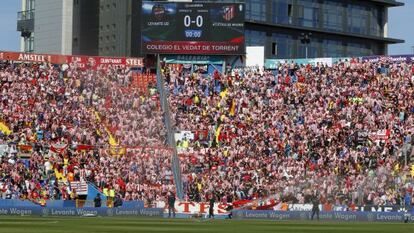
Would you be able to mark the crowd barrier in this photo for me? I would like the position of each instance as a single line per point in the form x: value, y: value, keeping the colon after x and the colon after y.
x: 61, y: 211
x: 340, y: 216
x: 20, y: 203
x: 65, y: 203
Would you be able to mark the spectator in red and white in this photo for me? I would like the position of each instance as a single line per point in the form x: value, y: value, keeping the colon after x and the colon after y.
x: 80, y: 124
x: 296, y: 128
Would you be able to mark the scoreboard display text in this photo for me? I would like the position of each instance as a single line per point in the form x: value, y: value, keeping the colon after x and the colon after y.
x: 193, y: 28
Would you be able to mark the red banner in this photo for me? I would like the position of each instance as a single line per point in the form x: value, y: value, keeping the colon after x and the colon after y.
x: 90, y: 61
x: 193, y: 47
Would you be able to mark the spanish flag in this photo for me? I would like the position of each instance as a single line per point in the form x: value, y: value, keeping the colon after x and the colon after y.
x: 331, y: 104
x: 233, y: 108
x: 112, y: 140
x: 98, y: 118
x: 397, y: 167
x: 4, y: 129
x: 196, y: 99
x: 218, y: 134
x: 117, y: 150
x: 223, y: 94
x: 59, y: 175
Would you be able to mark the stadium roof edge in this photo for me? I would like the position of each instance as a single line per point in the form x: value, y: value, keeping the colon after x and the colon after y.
x: 389, y: 3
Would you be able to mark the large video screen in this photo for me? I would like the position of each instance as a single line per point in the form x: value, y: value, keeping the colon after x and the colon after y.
x: 193, y: 28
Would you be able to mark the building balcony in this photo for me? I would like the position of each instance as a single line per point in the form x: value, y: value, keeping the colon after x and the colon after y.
x: 25, y: 22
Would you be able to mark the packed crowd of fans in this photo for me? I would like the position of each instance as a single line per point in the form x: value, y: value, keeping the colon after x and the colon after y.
x: 69, y: 123
x: 287, y: 132
x: 345, y: 131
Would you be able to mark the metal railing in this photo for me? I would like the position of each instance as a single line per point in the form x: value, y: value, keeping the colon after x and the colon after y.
x: 25, y: 15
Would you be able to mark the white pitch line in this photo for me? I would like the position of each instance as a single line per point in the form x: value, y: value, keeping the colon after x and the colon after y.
x: 28, y: 222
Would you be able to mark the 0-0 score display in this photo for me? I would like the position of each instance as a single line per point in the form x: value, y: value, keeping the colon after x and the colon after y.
x: 198, y: 22
x: 192, y: 24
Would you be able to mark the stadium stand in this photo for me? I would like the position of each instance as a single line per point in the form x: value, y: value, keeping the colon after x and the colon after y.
x: 61, y: 124
x: 287, y: 132
x: 344, y: 130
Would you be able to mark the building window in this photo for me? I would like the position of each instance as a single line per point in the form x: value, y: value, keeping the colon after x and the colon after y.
x: 30, y: 5
x: 255, y: 38
x: 75, y: 42
x: 283, y: 46
x: 29, y: 44
x: 308, y: 13
x: 333, y: 16
x: 357, y: 19
x: 332, y: 48
x: 274, y: 48
x: 282, y: 11
x: 256, y: 10
x: 376, y: 21
x: 358, y: 49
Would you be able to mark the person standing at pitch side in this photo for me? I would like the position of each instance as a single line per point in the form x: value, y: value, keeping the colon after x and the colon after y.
x: 171, y: 204
x: 315, y: 205
x: 211, y: 207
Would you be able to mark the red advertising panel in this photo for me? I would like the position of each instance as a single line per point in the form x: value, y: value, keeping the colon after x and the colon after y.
x: 87, y: 61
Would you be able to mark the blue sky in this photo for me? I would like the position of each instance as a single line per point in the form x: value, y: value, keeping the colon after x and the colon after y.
x: 9, y: 37
x: 400, y: 19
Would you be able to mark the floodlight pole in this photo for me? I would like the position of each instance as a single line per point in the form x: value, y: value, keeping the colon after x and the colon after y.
x: 306, y: 51
x: 305, y: 38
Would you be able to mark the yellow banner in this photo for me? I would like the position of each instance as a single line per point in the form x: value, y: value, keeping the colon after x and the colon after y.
x: 4, y: 129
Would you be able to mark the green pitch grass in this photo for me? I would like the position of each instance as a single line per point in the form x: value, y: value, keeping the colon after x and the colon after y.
x: 120, y: 225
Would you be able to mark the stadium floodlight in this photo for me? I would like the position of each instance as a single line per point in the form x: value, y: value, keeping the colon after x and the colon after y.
x: 305, y: 38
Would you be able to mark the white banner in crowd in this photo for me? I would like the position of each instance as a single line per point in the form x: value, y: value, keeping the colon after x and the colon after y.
x: 81, y: 187
x: 184, y: 135
x: 181, y: 139
x: 188, y: 207
x: 255, y: 56
x: 3, y: 150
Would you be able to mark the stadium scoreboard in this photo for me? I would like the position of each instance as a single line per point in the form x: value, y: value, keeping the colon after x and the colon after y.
x: 193, y: 28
